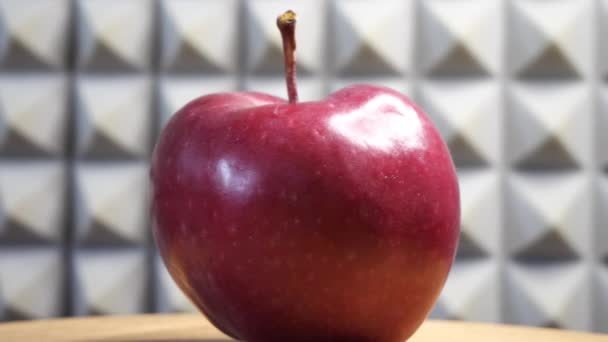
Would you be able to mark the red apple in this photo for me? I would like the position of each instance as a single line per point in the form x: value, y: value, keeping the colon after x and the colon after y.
x: 335, y: 220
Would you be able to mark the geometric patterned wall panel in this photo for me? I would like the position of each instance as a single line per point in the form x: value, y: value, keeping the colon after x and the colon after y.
x: 603, y: 30
x: 33, y: 201
x: 472, y: 292
x: 113, y: 116
x: 198, y: 36
x: 114, y: 35
x: 550, y: 39
x: 601, y: 298
x: 566, y: 303
x: 548, y: 216
x: 46, y: 105
x: 518, y: 89
x: 37, y: 293
x: 459, y: 38
x: 110, y: 204
x: 467, y: 115
x: 110, y: 282
x: 548, y: 127
x: 357, y: 49
x: 35, y: 34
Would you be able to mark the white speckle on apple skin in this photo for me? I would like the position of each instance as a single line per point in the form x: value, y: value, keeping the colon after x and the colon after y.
x: 232, y: 229
x: 293, y: 197
x: 351, y: 256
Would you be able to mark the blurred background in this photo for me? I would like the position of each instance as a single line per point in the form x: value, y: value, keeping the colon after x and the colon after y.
x: 517, y: 87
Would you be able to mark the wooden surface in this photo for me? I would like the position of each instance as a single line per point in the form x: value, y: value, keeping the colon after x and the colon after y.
x: 194, y: 328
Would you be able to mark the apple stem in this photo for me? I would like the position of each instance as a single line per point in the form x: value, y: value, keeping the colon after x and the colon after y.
x: 287, y: 25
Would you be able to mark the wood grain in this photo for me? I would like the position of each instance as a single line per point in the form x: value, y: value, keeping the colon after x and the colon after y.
x: 194, y: 328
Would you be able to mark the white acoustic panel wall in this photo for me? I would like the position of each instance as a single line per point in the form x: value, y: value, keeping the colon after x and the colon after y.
x: 110, y: 281
x: 518, y: 89
x: 198, y: 36
x: 33, y: 282
x: 114, y: 35
x: 35, y: 34
x: 113, y: 116
x: 34, y: 119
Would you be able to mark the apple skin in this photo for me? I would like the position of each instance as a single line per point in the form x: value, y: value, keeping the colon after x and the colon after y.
x: 335, y: 220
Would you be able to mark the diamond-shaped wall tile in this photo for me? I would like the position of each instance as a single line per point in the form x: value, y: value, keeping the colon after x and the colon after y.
x: 171, y: 298
x: 264, y: 44
x: 176, y: 92
x: 114, y: 34
x: 554, y: 295
x: 460, y: 38
x: 601, y: 298
x: 309, y: 89
x: 548, y: 125
x: 480, y: 212
x: 110, y: 281
x: 603, y: 46
x: 32, y: 201
x: 472, y: 292
x: 549, y: 39
x: 34, y: 34
x: 602, y: 127
x: 33, y: 115
x: 114, y: 116
x: 111, y: 203
x: 371, y: 38
x: 31, y: 282
x: 199, y: 35
x: 468, y: 117
x: 548, y: 216
x: 601, y: 228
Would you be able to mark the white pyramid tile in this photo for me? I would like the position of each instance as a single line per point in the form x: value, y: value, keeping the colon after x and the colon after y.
x: 114, y: 116
x: 111, y: 203
x: 550, y: 38
x: 3, y: 227
x: 601, y: 236
x: 33, y: 115
x: 565, y: 303
x: 548, y: 216
x: 264, y: 44
x: 468, y: 117
x: 114, y: 34
x: 176, y: 92
x: 371, y: 37
x: 460, y: 37
x: 480, y: 212
x: 601, y: 299
x: 199, y: 35
x: 36, y: 33
x: 110, y: 281
x: 32, y: 200
x: 31, y: 282
x: 604, y: 47
x: 309, y: 89
x: 172, y: 297
x: 548, y: 125
x: 397, y: 84
x: 472, y: 292
x: 602, y: 126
